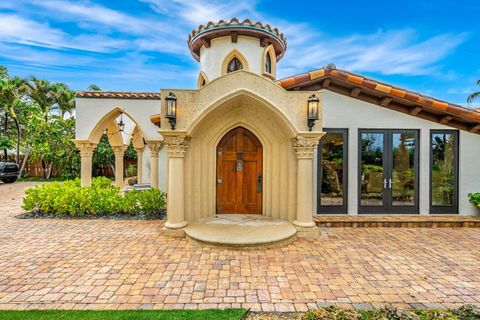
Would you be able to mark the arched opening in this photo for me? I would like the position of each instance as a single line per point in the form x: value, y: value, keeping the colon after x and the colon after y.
x: 269, y: 62
x: 234, y: 65
x: 234, y: 61
x: 202, y: 79
x: 120, y: 144
x: 239, y: 173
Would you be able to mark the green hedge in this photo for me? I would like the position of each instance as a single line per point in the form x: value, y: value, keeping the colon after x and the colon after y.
x: 101, y: 199
x: 475, y: 198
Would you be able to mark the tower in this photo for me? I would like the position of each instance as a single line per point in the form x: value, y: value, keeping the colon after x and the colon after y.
x: 224, y: 47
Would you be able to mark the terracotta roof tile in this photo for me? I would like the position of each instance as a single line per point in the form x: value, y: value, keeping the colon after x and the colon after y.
x: 332, y: 72
x: 119, y: 95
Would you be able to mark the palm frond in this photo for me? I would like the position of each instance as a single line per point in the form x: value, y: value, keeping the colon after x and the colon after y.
x: 473, y: 97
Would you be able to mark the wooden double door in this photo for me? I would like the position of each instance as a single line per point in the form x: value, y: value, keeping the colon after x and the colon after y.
x: 239, y: 173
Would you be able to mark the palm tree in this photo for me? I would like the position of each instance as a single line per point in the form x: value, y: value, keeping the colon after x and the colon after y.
x: 11, y: 90
x: 474, y: 95
x: 43, y: 93
x: 64, y: 99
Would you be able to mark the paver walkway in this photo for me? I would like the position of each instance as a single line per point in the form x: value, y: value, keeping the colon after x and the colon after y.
x: 128, y: 264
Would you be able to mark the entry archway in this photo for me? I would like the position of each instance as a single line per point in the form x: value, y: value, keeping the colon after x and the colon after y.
x: 239, y: 173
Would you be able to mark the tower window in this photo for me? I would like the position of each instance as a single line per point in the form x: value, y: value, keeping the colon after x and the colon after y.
x: 268, y: 63
x: 234, y: 65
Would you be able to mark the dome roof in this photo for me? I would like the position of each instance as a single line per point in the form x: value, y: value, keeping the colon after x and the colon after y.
x: 266, y: 33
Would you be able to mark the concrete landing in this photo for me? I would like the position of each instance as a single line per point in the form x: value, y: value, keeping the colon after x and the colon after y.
x: 241, y: 230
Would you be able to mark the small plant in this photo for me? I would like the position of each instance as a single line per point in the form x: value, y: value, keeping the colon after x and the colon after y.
x: 474, y: 198
x: 131, y: 170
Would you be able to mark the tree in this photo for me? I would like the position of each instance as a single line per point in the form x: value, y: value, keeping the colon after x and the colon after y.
x: 43, y: 93
x: 11, y: 90
x: 52, y: 142
x: 93, y: 87
x: 64, y: 99
x: 474, y: 95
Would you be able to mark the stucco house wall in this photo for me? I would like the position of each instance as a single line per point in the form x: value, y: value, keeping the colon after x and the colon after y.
x: 348, y: 113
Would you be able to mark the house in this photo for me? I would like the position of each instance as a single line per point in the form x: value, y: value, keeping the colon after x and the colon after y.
x: 322, y: 142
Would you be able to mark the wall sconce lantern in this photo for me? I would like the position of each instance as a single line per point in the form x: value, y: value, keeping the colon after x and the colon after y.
x: 121, y: 124
x: 171, y: 111
x: 313, y: 103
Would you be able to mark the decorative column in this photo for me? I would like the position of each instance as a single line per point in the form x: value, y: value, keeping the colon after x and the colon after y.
x: 86, y: 153
x: 119, y: 170
x: 139, y: 164
x: 154, y: 147
x: 304, y: 146
x: 177, y: 146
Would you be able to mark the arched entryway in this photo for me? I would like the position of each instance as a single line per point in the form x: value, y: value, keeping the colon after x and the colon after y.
x: 239, y: 173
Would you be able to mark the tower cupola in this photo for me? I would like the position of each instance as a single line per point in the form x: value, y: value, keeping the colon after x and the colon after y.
x: 225, y: 47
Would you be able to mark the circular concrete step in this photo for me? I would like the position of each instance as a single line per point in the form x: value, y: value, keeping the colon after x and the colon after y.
x: 241, y: 230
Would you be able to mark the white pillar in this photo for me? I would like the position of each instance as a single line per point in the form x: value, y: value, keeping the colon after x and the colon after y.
x: 154, y: 147
x: 119, y: 170
x: 305, y: 145
x: 177, y: 146
x: 139, y: 164
x: 86, y: 153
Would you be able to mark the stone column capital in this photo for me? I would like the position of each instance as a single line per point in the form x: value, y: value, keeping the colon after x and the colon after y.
x: 154, y: 147
x: 86, y: 147
x: 119, y: 150
x: 140, y: 150
x: 305, y: 144
x: 177, y: 145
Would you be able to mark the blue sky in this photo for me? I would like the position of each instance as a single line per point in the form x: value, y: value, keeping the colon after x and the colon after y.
x: 429, y: 46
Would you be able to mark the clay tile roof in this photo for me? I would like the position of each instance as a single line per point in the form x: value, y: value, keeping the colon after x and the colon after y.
x: 235, y: 22
x: 468, y: 115
x: 266, y: 33
x: 119, y: 95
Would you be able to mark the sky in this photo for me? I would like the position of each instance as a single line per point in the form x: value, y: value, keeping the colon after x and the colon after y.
x: 428, y: 46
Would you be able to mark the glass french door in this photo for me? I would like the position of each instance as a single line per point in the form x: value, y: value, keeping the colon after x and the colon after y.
x: 388, y: 171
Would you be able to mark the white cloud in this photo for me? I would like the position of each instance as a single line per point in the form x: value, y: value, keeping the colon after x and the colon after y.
x: 392, y: 52
x: 14, y: 28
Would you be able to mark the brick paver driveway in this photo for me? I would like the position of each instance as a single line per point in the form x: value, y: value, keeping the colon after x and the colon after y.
x: 128, y: 264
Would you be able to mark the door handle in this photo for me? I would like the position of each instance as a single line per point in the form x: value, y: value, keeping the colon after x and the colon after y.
x: 384, y: 183
x: 390, y: 183
x: 259, y: 182
x: 219, y: 180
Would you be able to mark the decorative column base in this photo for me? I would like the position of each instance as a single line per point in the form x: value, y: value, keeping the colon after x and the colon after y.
x: 176, y: 225
x: 306, y: 224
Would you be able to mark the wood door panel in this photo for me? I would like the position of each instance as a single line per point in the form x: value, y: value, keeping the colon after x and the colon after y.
x: 239, y: 165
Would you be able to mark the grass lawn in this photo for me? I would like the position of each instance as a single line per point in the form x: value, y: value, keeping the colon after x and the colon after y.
x: 229, y: 314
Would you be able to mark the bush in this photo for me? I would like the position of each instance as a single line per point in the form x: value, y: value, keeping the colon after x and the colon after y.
x: 474, y: 198
x: 101, y: 199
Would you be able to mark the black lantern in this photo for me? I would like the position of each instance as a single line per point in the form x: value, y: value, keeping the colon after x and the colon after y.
x: 171, y: 109
x: 121, y: 124
x: 313, y: 103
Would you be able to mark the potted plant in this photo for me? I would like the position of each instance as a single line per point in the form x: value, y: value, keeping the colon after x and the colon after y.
x: 131, y: 172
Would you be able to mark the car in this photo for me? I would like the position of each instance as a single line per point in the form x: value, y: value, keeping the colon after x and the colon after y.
x: 9, y: 172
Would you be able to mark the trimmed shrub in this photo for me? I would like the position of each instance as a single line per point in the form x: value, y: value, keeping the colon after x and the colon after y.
x: 474, y: 198
x: 101, y: 199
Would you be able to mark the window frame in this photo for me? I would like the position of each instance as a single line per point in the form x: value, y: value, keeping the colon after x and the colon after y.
x: 333, y: 209
x: 453, y: 209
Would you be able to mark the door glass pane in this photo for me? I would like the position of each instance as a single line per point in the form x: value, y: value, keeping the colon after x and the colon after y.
x: 403, y: 174
x: 372, y: 169
x: 443, y: 169
x: 332, y: 170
